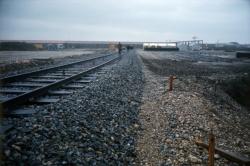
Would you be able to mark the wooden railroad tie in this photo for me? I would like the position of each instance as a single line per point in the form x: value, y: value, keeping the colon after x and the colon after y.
x: 235, y: 157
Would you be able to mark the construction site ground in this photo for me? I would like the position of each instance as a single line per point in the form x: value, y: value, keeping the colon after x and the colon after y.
x: 171, y: 121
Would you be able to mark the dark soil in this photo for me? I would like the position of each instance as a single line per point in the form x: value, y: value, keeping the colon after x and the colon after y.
x: 172, y: 67
x: 234, y: 80
x: 239, y: 89
x: 25, y: 64
x: 188, y: 68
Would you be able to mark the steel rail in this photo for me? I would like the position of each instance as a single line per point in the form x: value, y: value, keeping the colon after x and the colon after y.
x: 25, y: 75
x: 6, y: 106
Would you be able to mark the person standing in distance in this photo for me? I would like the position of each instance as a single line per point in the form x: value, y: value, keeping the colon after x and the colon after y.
x: 119, y: 48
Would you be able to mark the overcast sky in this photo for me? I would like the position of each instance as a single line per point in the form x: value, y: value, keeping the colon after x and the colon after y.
x: 125, y: 20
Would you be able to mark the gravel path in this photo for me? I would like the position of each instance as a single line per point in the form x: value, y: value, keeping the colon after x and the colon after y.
x: 95, y: 126
x: 153, y: 124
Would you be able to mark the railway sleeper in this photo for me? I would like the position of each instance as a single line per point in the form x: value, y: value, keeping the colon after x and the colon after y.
x: 73, y: 86
x: 45, y: 100
x: 60, y: 92
x: 48, y: 77
x: 22, y: 112
x: 13, y: 91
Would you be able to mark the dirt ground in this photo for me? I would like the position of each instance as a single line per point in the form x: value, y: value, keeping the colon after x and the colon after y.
x: 8, y: 57
x: 16, y: 62
x: 172, y: 121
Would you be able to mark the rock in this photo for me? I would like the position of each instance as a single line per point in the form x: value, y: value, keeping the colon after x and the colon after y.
x: 216, y: 156
x: 181, y: 160
x: 194, y: 159
x: 168, y: 162
x: 173, y: 151
x: 136, y: 126
x: 7, y: 152
x: 64, y: 162
x: 18, y: 148
x: 168, y: 141
x: 238, y: 141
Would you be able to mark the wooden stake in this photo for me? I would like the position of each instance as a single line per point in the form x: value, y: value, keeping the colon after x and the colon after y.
x: 170, y: 83
x: 171, y: 78
x: 232, y: 156
x: 211, y: 149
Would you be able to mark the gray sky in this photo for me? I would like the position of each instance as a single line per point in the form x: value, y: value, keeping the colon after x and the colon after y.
x: 125, y: 20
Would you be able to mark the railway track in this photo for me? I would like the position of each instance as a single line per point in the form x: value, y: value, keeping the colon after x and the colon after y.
x: 47, y: 85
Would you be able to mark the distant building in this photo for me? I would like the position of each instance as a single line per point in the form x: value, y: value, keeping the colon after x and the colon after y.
x: 60, y: 46
x: 112, y: 47
x: 220, y: 45
x: 39, y: 46
x: 54, y: 46
x: 234, y: 43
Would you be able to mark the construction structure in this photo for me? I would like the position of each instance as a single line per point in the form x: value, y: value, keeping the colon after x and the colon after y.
x: 160, y: 46
x: 194, y: 45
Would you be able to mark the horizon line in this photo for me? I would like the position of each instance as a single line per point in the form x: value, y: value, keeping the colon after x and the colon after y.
x: 102, y: 41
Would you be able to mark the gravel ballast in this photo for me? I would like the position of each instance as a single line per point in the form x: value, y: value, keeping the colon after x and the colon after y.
x: 95, y: 126
x: 127, y: 116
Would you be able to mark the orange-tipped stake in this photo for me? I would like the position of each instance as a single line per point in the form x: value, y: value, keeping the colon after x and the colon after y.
x: 211, y: 149
x: 171, y: 79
